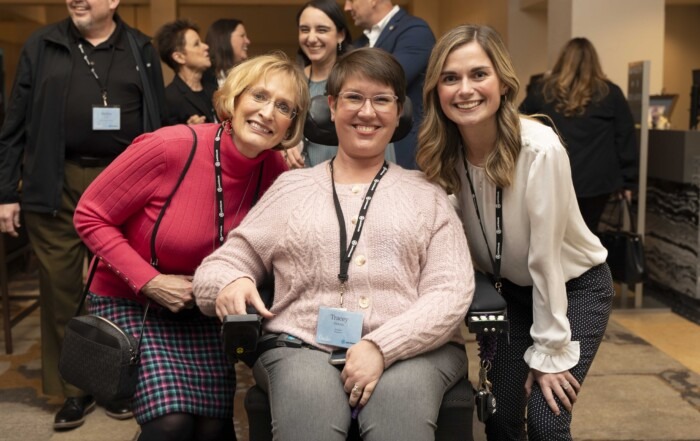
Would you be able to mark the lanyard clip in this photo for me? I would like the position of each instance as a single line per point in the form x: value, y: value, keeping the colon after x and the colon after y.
x: 104, y: 98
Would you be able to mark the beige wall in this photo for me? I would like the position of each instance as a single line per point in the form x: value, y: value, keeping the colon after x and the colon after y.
x: 682, y: 55
x: 527, y: 42
x: 456, y: 12
x: 623, y: 31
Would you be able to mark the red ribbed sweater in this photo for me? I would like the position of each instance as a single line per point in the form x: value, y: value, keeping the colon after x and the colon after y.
x: 116, y: 214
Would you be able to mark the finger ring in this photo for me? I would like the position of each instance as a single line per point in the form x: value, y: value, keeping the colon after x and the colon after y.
x: 566, y: 385
x: 355, y: 389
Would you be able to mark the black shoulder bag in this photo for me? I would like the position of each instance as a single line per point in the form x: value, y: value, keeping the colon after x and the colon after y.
x: 97, y: 356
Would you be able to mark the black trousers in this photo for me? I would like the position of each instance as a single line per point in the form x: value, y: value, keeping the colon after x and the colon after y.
x: 590, y: 299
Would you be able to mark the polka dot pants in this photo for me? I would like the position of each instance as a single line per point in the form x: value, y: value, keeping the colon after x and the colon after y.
x: 590, y: 299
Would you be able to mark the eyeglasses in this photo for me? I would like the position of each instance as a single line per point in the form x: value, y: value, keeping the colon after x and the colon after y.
x: 262, y: 97
x: 380, y: 103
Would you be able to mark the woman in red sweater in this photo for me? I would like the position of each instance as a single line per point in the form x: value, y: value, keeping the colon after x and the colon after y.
x: 186, y: 386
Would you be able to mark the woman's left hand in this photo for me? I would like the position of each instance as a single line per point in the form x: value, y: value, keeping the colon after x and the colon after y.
x: 364, y: 366
x: 561, y: 384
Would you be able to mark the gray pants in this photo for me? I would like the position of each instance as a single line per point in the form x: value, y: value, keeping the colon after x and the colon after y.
x: 308, y: 402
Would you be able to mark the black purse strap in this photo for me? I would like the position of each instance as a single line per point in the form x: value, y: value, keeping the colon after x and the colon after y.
x: 154, y: 259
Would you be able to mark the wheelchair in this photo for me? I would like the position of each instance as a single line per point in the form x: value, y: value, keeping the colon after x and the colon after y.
x: 486, y: 315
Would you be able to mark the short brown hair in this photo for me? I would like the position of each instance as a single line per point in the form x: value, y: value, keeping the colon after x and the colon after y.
x: 170, y: 38
x: 371, y: 63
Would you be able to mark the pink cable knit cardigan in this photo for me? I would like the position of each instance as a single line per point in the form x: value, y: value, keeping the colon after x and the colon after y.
x: 411, y: 274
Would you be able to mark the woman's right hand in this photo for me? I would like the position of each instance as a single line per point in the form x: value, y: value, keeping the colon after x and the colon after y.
x: 171, y: 291
x: 293, y: 156
x: 234, y: 297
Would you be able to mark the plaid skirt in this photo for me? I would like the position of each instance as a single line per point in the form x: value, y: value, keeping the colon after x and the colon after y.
x: 183, y: 367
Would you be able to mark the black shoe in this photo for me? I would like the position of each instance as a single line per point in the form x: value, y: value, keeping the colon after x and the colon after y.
x: 73, y: 412
x: 119, y: 410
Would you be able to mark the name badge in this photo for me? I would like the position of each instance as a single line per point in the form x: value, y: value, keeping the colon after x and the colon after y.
x: 338, y: 327
x: 106, y: 118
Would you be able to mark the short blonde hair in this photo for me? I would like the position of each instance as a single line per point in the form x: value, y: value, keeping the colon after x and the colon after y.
x: 249, y: 72
x: 439, y: 139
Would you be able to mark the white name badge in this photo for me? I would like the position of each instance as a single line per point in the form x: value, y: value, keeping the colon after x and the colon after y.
x: 106, y: 118
x: 338, y: 327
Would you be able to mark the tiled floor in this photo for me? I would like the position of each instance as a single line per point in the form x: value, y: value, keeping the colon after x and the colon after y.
x: 644, y: 385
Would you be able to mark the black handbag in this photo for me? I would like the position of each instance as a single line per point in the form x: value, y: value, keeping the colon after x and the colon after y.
x: 625, y: 250
x: 97, y: 356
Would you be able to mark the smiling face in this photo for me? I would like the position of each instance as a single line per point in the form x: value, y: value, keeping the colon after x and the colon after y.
x: 195, y: 53
x: 259, y: 126
x: 470, y: 90
x: 364, y: 133
x: 239, y: 43
x: 318, y: 36
x: 90, y: 15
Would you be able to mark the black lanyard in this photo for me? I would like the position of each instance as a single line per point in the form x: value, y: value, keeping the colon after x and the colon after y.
x: 495, y: 259
x: 346, y: 251
x: 219, y: 184
x: 91, y: 66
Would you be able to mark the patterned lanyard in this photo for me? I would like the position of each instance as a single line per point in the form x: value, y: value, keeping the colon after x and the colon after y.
x: 495, y: 259
x: 91, y: 66
x: 346, y: 251
x: 219, y: 184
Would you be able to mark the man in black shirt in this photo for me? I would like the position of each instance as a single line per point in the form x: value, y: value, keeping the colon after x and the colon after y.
x: 85, y: 88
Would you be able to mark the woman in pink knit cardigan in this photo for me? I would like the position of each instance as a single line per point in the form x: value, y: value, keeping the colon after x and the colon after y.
x: 366, y: 256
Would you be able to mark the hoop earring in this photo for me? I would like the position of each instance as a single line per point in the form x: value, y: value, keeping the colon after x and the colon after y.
x: 227, y: 126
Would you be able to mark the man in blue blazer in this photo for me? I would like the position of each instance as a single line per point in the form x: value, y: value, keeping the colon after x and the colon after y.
x: 407, y: 38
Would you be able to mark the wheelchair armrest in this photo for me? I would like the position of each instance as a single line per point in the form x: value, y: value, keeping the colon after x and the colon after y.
x: 240, y: 334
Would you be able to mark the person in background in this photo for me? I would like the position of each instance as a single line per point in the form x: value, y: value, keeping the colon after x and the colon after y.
x: 228, y: 45
x: 407, y: 278
x: 85, y: 87
x: 512, y: 180
x: 593, y: 118
x: 410, y: 40
x: 323, y: 37
x: 188, y: 98
x: 186, y: 385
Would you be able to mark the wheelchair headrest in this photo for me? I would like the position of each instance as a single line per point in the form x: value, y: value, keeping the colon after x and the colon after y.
x: 319, y: 129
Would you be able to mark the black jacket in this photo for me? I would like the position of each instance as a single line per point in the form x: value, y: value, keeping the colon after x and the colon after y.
x: 182, y: 103
x: 601, y: 143
x: 32, y: 139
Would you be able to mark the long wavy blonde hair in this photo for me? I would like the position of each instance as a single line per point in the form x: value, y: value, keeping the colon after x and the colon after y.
x: 439, y: 139
x: 576, y: 79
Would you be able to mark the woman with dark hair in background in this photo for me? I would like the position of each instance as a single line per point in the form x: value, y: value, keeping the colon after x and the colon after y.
x: 189, y: 99
x: 595, y: 122
x: 323, y: 37
x: 512, y: 180
x: 228, y: 46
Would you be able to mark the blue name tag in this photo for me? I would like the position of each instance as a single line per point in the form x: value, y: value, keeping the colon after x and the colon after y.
x: 106, y: 118
x: 337, y: 327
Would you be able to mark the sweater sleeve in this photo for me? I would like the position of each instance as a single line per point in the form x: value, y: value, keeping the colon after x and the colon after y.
x: 445, y: 290
x: 248, y: 249
x: 549, y: 204
x: 122, y: 190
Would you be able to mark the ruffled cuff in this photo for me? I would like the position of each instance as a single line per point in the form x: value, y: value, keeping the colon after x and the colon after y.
x: 548, y: 361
